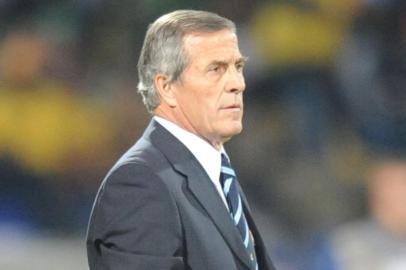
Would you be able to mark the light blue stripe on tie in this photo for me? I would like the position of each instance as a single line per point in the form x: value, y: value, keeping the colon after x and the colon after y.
x: 227, y: 170
x: 246, y: 234
x: 238, y: 212
x: 227, y: 185
x: 256, y: 266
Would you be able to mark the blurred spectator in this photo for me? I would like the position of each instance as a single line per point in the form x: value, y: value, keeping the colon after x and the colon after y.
x: 307, y: 148
x: 377, y: 242
x: 303, y: 33
x: 299, y: 41
x: 49, y: 132
x: 372, y: 69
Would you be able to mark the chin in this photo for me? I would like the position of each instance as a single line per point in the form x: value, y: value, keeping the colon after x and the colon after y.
x: 232, y: 130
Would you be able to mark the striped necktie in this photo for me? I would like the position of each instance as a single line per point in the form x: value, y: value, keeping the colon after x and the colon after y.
x: 228, y: 182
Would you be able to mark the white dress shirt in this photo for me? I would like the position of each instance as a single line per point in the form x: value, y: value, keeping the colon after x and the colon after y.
x: 206, y: 154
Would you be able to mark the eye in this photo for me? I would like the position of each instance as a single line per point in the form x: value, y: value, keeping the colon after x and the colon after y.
x: 216, y: 68
x: 240, y: 66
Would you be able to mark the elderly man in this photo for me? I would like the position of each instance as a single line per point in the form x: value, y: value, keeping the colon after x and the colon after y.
x: 173, y: 200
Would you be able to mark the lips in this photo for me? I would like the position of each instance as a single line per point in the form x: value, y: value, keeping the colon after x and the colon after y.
x: 233, y: 106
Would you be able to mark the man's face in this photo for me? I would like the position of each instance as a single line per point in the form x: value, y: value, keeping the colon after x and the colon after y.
x: 209, y: 92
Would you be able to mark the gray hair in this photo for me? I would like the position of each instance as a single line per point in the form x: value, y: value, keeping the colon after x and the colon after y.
x: 163, y: 53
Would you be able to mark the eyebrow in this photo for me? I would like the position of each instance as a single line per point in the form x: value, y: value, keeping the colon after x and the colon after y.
x: 242, y: 59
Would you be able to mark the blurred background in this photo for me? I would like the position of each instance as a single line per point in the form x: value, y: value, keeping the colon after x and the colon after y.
x: 321, y: 158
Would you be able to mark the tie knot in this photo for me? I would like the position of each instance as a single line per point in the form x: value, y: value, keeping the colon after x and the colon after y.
x: 224, y: 161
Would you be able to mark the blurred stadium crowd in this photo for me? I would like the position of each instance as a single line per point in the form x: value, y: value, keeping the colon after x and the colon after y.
x: 322, y: 156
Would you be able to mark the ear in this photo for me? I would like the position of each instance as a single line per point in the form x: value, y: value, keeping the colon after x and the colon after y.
x: 165, y: 89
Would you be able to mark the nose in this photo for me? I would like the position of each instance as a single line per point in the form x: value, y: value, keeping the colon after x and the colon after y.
x: 235, y: 81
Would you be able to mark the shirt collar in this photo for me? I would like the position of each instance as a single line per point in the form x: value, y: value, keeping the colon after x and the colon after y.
x: 206, y: 154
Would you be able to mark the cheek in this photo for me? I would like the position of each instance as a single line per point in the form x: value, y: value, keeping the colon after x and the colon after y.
x: 209, y: 104
x: 202, y: 109
x: 189, y: 101
x: 203, y: 99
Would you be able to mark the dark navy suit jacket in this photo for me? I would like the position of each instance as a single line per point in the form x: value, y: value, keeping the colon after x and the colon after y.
x: 158, y: 210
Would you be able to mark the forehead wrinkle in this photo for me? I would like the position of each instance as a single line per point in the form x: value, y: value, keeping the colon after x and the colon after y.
x: 193, y: 39
x: 192, y: 47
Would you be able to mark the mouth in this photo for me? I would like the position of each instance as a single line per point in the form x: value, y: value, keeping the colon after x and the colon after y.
x: 232, y: 107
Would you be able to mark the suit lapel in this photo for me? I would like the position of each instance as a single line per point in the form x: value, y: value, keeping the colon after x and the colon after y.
x: 205, y: 192
x: 200, y: 186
